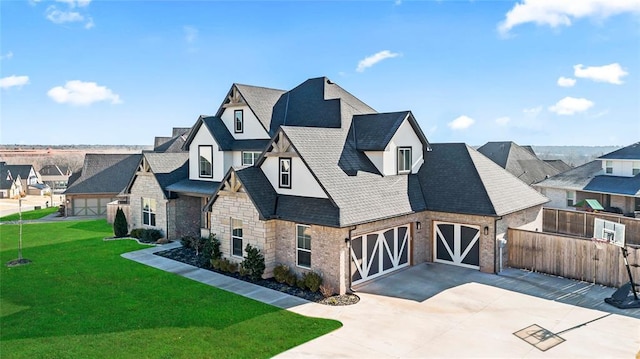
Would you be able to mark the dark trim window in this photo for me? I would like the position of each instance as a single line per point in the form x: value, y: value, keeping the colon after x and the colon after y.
x: 149, y: 211
x: 571, y: 198
x: 404, y: 160
x: 205, y: 163
x: 637, y: 205
x: 303, y: 246
x: 608, y: 167
x: 284, y: 173
x: 249, y: 157
x: 238, y: 121
x: 635, y: 168
x: 236, y: 237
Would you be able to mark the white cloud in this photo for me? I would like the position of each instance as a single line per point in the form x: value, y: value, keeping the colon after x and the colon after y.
x: 90, y: 24
x: 12, y: 81
x: 566, y: 81
x: 8, y: 56
x: 58, y: 16
x: 571, y: 105
x: 461, y: 123
x: 190, y: 34
x: 72, y: 13
x: 608, y: 73
x: 374, y: 59
x: 74, y: 3
x: 502, y: 121
x: 82, y: 93
x: 556, y: 13
x: 533, y: 111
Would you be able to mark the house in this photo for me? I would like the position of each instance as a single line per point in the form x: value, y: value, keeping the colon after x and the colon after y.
x: 102, y: 179
x: 10, y: 184
x: 20, y: 180
x: 56, y: 177
x: 151, y: 205
x: 172, y: 144
x: 234, y: 136
x: 354, y: 194
x: 612, y: 179
x: 521, y: 161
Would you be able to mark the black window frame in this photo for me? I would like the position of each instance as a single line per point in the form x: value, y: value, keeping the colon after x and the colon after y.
x: 236, y: 128
x: 280, y: 172
x: 200, y: 151
x: 401, y: 149
x: 237, y: 237
x: 149, y: 212
x: 303, y: 249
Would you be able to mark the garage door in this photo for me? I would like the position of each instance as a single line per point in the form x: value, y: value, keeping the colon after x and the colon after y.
x: 457, y: 244
x: 377, y: 253
x: 90, y: 206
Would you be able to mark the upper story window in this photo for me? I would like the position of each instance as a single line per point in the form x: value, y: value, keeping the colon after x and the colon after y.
x: 236, y: 237
x: 404, y: 160
x: 608, y: 167
x: 249, y: 158
x: 571, y: 198
x: 238, y: 121
x: 635, y: 168
x: 149, y: 211
x: 205, y: 163
x: 285, y: 173
x: 303, y: 246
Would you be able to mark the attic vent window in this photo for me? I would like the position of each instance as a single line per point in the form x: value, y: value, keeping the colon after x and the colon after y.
x: 404, y: 160
x: 238, y: 121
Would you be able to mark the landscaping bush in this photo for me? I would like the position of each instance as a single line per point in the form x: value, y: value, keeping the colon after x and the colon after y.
x: 312, y: 280
x: 280, y: 273
x: 244, y: 272
x: 150, y: 235
x: 300, y: 283
x: 233, y: 267
x: 224, y: 265
x: 210, y: 250
x: 187, y: 241
x: 216, y: 263
x: 120, y: 226
x: 136, y: 233
x: 291, y: 279
x: 254, y: 262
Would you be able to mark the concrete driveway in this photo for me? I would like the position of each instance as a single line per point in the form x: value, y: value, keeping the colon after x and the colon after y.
x: 437, y: 310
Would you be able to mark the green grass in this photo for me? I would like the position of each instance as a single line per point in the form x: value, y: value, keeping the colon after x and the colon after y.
x: 29, y: 215
x: 80, y: 299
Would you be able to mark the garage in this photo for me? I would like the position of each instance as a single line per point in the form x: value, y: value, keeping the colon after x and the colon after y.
x: 457, y: 244
x: 90, y: 206
x: 377, y: 253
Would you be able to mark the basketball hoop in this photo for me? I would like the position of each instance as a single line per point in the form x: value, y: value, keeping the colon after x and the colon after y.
x: 599, y: 242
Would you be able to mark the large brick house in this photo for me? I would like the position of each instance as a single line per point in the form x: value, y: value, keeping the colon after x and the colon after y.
x: 353, y: 194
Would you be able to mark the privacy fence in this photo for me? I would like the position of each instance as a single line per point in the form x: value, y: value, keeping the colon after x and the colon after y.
x: 571, y: 257
x: 579, y: 223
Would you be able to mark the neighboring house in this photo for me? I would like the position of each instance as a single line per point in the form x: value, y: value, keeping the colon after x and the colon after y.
x: 56, y: 177
x: 520, y: 161
x: 612, y: 179
x: 354, y: 194
x: 102, y: 179
x: 235, y: 136
x: 151, y: 205
x: 10, y: 184
x: 28, y: 178
x: 174, y: 143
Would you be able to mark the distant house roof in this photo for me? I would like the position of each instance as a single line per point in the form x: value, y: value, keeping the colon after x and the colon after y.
x: 519, y: 161
x: 172, y: 144
x: 51, y: 170
x: 104, y: 173
x: 631, y: 152
x: 626, y: 186
x: 574, y: 179
x: 193, y: 187
x: 167, y: 168
x: 19, y: 170
x: 6, y: 177
x: 560, y: 165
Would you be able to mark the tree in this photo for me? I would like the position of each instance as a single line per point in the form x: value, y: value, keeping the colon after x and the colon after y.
x: 254, y: 262
x: 120, y: 226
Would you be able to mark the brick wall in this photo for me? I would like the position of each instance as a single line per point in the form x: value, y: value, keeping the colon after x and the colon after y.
x: 146, y: 186
x: 183, y: 214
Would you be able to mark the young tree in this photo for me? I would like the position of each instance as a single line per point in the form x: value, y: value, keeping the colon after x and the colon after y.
x: 120, y: 226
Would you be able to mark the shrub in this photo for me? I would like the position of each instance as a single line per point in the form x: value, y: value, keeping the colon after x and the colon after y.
x: 233, y: 267
x: 224, y: 264
x: 326, y: 290
x: 120, y: 226
x: 254, y: 262
x: 300, y: 283
x: 291, y: 279
x: 243, y: 271
x: 312, y: 280
x: 280, y: 273
x: 216, y: 263
x: 136, y: 233
x: 151, y: 235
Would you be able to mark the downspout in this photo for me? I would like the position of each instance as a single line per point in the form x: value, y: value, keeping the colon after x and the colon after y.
x: 348, y: 241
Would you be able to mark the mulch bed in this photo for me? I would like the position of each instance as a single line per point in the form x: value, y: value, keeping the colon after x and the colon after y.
x: 188, y: 256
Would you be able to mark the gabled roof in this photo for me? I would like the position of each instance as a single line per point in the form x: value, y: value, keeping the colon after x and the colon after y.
x: 261, y: 101
x: 6, y: 177
x: 373, y: 132
x: 53, y: 170
x: 626, y: 186
x: 222, y: 136
x: 560, y: 165
x: 519, y: 161
x: 167, y: 168
x: 456, y: 178
x: 172, y: 144
x: 575, y: 178
x: 631, y: 152
x: 19, y: 170
x: 104, y: 173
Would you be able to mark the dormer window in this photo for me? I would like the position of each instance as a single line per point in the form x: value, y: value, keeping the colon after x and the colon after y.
x: 608, y: 167
x: 404, y: 160
x: 285, y: 173
x: 238, y: 123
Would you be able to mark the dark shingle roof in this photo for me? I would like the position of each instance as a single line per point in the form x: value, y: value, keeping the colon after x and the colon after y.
x: 105, y: 173
x: 631, y: 152
x: 259, y: 190
x: 54, y: 170
x: 167, y: 168
x: 19, y: 170
x: 519, y: 161
x: 560, y: 165
x: 575, y: 178
x: 626, y: 186
x: 456, y: 178
x: 261, y: 101
x: 5, y: 179
x: 194, y: 187
x: 374, y: 131
x: 225, y: 140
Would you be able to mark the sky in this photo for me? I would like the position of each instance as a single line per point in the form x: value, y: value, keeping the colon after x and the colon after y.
x: 536, y: 72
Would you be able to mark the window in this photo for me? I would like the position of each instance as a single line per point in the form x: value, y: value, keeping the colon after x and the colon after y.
x: 149, y: 211
x: 249, y: 158
x: 404, y: 160
x: 205, y: 165
x: 608, y: 167
x: 635, y: 168
x: 236, y: 237
x: 285, y: 173
x: 637, y: 205
x: 571, y: 198
x: 303, y: 247
x: 238, y: 123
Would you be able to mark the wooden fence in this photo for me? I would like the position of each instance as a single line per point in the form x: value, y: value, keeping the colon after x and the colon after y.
x: 571, y: 257
x: 579, y: 223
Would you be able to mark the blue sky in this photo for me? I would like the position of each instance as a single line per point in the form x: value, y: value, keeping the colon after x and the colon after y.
x: 536, y: 72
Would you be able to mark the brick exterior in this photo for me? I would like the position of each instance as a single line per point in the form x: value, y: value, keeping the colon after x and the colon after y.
x: 529, y: 219
x: 146, y: 186
x: 183, y: 215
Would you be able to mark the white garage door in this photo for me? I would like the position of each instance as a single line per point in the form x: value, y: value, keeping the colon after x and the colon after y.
x: 90, y: 206
x: 377, y: 253
x: 457, y: 244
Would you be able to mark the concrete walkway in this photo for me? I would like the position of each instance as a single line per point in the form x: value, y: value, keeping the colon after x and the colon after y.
x: 436, y: 310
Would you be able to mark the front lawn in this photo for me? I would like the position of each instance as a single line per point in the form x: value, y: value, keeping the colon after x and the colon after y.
x: 29, y: 215
x: 80, y: 299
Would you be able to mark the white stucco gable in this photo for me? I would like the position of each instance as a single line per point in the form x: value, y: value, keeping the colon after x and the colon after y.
x: 405, y: 137
x: 203, y: 141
